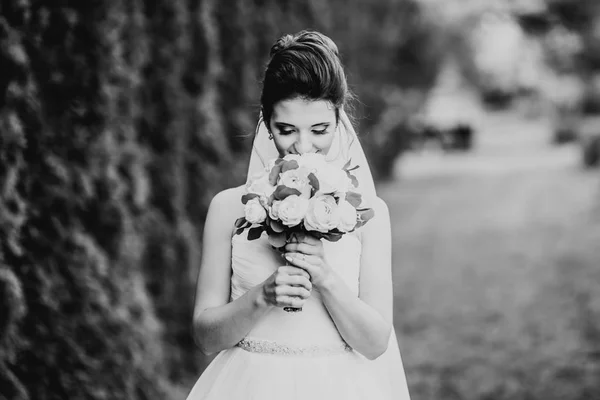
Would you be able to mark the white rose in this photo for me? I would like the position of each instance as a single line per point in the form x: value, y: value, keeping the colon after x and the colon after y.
x: 296, y: 179
x: 333, y: 180
x: 322, y: 214
x: 347, y: 216
x: 260, y: 185
x: 274, y: 210
x: 292, y: 210
x: 292, y: 157
x: 254, y: 211
x: 312, y: 161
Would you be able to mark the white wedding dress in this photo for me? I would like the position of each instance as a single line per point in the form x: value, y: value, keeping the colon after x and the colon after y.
x: 288, y: 356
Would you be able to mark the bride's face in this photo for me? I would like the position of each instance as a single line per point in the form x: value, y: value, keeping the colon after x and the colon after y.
x: 303, y: 126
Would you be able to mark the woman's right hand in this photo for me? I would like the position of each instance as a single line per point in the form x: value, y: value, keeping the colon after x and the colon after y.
x: 289, y: 286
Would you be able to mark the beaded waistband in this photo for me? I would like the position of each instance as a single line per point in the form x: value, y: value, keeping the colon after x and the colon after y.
x: 270, y: 347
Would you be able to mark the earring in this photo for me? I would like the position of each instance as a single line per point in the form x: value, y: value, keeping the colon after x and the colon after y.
x: 270, y: 135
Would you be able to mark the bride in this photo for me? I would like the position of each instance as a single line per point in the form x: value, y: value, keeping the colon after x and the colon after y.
x: 342, y: 344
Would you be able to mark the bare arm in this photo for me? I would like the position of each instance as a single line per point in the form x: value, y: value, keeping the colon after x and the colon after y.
x: 365, y: 322
x: 217, y: 323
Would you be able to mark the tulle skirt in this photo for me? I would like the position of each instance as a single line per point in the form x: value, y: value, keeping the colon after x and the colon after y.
x: 238, y: 373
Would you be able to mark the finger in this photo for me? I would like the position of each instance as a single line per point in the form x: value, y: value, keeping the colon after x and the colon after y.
x: 292, y: 291
x: 301, y: 261
x: 308, y: 258
x: 300, y: 279
x: 310, y: 240
x: 301, y: 248
x: 291, y: 301
x: 292, y: 270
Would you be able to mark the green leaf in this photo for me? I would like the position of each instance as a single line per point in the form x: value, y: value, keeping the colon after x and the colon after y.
x: 248, y: 196
x: 347, y: 167
x: 276, y: 226
x: 275, y: 171
x: 240, y: 222
x: 334, y: 237
x: 364, y: 216
x: 281, y: 192
x: 352, y: 179
x: 254, y: 233
x: 354, y: 198
x: 331, y: 236
x: 314, y: 182
x: 277, y: 240
x: 368, y: 214
x: 289, y: 165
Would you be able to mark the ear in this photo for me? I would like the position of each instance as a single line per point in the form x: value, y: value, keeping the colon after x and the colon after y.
x: 265, y: 120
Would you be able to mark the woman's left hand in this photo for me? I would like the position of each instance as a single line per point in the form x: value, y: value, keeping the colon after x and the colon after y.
x: 307, y: 252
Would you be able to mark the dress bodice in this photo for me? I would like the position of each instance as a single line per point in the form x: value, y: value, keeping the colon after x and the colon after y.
x: 300, y: 355
x: 254, y: 261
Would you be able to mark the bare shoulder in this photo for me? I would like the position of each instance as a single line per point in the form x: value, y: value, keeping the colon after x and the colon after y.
x: 228, y: 197
x: 226, y: 206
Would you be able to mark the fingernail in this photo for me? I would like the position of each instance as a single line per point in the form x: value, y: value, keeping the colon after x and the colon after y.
x: 288, y: 257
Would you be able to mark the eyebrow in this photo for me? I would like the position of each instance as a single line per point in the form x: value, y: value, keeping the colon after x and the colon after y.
x: 283, y: 124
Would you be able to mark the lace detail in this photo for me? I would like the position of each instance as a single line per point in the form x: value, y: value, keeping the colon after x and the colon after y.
x: 270, y: 347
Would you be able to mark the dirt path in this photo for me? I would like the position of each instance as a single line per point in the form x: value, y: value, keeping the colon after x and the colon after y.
x: 474, y: 239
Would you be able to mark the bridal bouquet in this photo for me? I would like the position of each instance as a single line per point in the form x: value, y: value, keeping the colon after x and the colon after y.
x: 302, y: 193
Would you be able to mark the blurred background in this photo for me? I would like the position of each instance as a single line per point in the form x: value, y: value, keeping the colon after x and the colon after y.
x: 119, y: 120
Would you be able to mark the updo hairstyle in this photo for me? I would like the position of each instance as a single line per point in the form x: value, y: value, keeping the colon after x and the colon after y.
x: 307, y: 66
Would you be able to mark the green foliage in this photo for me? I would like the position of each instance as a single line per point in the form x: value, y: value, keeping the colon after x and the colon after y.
x: 70, y: 199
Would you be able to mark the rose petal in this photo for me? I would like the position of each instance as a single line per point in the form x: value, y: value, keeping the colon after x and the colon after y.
x: 276, y: 226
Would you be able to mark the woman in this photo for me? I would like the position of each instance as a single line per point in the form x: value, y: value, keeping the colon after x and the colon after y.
x: 341, y: 345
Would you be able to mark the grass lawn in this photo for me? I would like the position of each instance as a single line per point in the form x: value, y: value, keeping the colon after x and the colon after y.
x: 497, y: 284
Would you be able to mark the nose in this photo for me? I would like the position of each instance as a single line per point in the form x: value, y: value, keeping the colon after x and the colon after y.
x: 304, y: 143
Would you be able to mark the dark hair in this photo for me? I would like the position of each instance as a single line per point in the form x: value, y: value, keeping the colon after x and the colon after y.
x: 305, y: 65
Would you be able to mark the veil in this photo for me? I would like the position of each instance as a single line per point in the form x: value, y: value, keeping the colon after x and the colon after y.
x: 345, y: 147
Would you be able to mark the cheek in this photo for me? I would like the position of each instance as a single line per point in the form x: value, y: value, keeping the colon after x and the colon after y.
x: 324, y: 142
x: 282, y: 143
